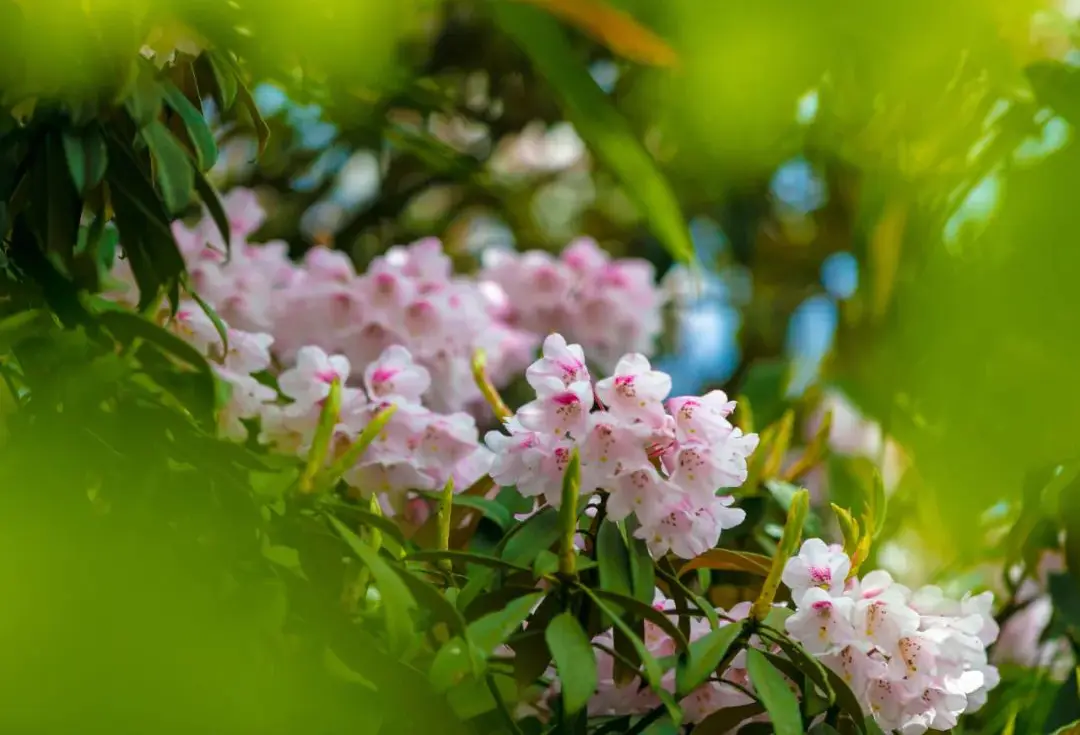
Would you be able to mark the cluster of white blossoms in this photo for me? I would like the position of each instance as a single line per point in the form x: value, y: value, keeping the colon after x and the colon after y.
x: 662, y: 462
x: 418, y: 449
x: 916, y: 659
x: 411, y: 296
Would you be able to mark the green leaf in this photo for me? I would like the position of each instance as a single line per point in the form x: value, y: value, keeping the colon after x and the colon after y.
x: 224, y: 79
x: 642, y: 569
x: 365, y: 517
x: 492, y: 510
x: 144, y: 101
x: 803, y: 661
x: 262, y: 130
x: 780, y: 702
x: 847, y: 700
x: 465, y: 557
x: 547, y: 562
x: 329, y: 415
x: 174, y: 174
x: 653, y: 672
x: 352, y: 455
x: 432, y: 601
x: 492, y: 630
x: 536, y: 533
x: 23, y: 324
x: 613, y: 559
x: 823, y: 728
x: 729, y: 560
x: 55, y: 206
x: 453, y: 663
x: 205, y: 147
x: 574, y: 660
x: 703, y: 656
x: 215, y: 319
x: 639, y: 609
x: 777, y: 617
x: 598, y: 122
x: 214, y: 206
x: 397, y: 601
x: 127, y: 326
x: 143, y: 224
x: 86, y: 157
x: 724, y: 721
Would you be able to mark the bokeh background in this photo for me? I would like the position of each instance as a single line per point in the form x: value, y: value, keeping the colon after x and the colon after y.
x: 882, y: 201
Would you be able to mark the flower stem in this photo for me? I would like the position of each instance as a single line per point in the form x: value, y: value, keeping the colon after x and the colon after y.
x: 571, y: 488
x: 800, y: 505
x: 445, y: 507
x: 489, y: 391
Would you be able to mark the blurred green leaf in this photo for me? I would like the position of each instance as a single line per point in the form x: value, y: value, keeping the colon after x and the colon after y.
x: 397, y: 601
x: 86, y: 157
x: 172, y: 167
x: 213, y: 205
x: 203, y: 139
x: 492, y: 630
x: 599, y: 123
x: 613, y: 559
x: 225, y: 79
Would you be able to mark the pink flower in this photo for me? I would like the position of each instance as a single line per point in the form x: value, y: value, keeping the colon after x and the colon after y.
x: 517, y: 455
x: 564, y: 412
x: 310, y: 380
x: 248, y: 352
x: 702, y: 419
x: 822, y: 622
x: 816, y: 565
x: 641, y: 491
x: 636, y: 391
x: 561, y: 366
x: 702, y: 468
x: 395, y: 376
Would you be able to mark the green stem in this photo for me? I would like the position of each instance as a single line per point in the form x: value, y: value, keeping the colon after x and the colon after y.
x: 800, y: 505
x: 568, y: 517
x: 489, y: 391
x: 445, y: 507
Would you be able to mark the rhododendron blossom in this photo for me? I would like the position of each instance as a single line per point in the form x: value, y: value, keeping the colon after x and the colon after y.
x: 916, y: 660
x: 417, y: 450
x: 610, y: 306
x: 630, y: 449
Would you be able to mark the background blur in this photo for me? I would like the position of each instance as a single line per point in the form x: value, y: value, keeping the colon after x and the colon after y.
x: 881, y: 197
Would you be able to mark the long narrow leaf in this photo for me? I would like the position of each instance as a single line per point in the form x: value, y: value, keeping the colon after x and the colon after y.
x: 598, y: 122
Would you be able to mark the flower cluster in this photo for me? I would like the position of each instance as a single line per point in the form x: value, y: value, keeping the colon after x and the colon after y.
x: 610, y: 307
x: 411, y: 297
x: 663, y: 463
x: 916, y: 659
x: 408, y: 297
x: 418, y: 449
